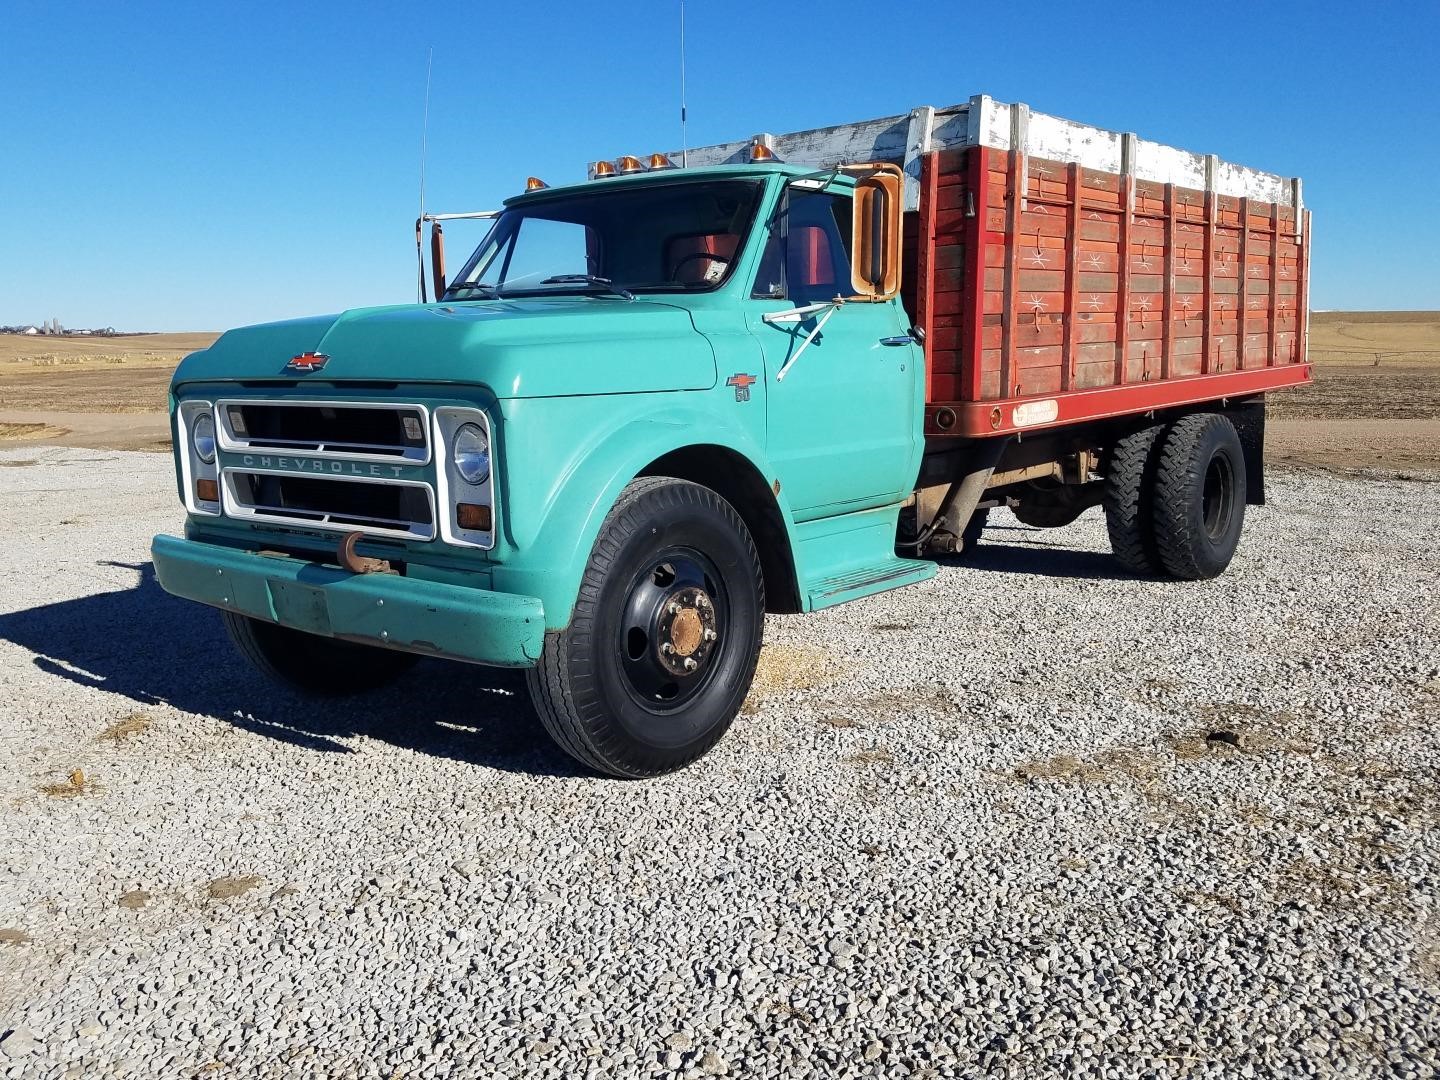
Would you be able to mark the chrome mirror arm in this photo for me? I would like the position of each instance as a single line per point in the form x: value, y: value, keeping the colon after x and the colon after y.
x: 797, y: 315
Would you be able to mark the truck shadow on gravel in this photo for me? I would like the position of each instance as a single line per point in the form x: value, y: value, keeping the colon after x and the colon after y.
x: 1016, y: 550
x: 145, y: 645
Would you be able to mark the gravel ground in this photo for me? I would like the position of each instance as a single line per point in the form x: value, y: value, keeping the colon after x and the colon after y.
x: 1029, y: 819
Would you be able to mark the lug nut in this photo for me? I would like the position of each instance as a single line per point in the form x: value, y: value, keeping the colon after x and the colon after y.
x: 666, y: 648
x: 690, y: 664
x: 709, y: 635
x: 674, y: 608
x: 702, y: 601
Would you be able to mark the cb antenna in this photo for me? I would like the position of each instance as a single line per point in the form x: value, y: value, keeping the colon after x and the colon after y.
x: 424, y: 140
x: 684, y: 139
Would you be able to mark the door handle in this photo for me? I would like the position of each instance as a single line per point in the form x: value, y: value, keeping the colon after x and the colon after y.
x: 898, y: 339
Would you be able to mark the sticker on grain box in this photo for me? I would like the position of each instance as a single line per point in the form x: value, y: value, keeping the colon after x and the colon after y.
x: 1036, y: 412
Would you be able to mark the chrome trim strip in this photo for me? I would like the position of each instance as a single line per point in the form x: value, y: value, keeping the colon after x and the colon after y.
x: 321, y: 519
x: 321, y: 516
x: 232, y: 443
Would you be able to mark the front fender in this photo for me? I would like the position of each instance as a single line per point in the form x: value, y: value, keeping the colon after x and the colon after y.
x: 565, y: 462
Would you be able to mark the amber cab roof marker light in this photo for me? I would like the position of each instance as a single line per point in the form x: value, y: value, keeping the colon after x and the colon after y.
x: 661, y: 161
x: 603, y: 169
x: 760, y: 152
x: 534, y: 183
x: 629, y: 163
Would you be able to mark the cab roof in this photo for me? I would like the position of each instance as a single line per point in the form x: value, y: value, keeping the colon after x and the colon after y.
x: 657, y: 177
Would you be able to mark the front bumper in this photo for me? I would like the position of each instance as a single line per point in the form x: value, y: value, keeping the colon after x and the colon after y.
x: 386, y: 610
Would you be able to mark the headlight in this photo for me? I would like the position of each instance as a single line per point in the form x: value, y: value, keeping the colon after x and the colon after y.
x: 202, y: 437
x: 471, y: 453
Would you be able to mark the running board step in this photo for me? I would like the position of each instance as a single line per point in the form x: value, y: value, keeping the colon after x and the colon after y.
x: 868, y: 580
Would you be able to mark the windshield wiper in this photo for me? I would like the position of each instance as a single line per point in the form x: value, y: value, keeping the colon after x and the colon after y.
x: 589, y: 279
x: 490, y: 290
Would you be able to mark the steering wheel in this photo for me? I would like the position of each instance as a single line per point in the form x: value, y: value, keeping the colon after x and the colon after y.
x: 712, y: 256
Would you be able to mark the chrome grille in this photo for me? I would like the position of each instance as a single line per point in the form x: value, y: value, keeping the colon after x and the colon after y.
x: 349, y: 430
x: 403, y: 508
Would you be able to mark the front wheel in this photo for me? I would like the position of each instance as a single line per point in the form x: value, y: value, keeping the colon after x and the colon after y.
x: 662, y: 645
x: 312, y: 664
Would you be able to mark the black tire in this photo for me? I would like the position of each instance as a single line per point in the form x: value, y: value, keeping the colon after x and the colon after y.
x: 1199, y: 497
x: 1046, y: 516
x: 313, y: 664
x: 673, y: 563
x: 1049, y: 505
x: 1129, y: 486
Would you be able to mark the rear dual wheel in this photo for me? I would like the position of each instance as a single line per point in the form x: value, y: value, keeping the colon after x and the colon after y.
x: 1199, y: 504
x: 1175, y: 497
x: 1129, y: 498
x: 662, y: 646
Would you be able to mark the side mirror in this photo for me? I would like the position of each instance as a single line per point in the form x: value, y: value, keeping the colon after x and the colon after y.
x: 437, y: 257
x: 875, y: 233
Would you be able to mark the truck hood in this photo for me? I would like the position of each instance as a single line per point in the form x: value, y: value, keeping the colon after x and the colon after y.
x: 557, y: 347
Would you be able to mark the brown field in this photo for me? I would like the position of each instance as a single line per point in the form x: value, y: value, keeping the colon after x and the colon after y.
x: 103, y: 392
x: 126, y: 374
x: 1375, y: 402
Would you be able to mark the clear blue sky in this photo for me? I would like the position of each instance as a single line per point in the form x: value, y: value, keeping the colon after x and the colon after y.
x: 202, y: 165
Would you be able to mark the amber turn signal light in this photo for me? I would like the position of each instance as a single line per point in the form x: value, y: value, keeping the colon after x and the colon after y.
x: 207, y: 491
x: 472, y: 517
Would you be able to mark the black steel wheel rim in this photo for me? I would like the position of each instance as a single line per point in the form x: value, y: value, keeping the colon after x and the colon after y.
x: 1217, y: 503
x: 672, y: 632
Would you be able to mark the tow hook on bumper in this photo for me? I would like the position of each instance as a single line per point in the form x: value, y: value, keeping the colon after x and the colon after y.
x: 360, y: 564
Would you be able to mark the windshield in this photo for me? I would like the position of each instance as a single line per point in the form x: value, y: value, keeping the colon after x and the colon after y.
x: 681, y: 237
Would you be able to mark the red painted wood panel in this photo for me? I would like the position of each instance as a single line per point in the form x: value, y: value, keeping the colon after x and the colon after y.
x: 1094, y: 281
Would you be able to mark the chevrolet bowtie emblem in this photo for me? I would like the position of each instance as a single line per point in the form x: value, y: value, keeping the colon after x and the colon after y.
x: 306, y: 362
x: 742, y: 383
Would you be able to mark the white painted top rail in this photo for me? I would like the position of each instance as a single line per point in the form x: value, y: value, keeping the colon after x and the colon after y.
x: 983, y: 121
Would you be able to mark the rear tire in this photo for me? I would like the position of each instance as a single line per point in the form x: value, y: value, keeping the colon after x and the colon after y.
x: 312, y: 664
x: 1199, y: 497
x: 1129, y: 487
x: 1050, y: 505
x: 662, y: 645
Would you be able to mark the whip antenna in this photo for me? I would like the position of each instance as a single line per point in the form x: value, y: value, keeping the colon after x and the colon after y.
x: 424, y: 140
x: 684, y: 140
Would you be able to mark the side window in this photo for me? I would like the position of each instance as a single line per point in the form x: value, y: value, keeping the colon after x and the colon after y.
x: 807, y: 256
x: 546, y: 248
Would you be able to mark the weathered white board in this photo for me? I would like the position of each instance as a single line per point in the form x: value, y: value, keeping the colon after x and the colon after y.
x: 982, y: 121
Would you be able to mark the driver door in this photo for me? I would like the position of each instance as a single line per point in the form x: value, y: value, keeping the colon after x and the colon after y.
x: 841, y: 422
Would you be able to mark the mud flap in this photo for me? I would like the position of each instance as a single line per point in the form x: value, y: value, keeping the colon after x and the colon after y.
x: 1249, y: 420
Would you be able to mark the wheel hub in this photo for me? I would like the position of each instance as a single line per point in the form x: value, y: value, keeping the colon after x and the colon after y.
x: 687, y: 631
x: 673, y: 627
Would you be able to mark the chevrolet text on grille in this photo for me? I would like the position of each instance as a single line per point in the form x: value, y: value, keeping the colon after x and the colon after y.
x: 320, y: 466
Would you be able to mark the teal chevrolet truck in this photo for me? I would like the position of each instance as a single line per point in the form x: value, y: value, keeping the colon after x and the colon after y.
x: 656, y: 405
